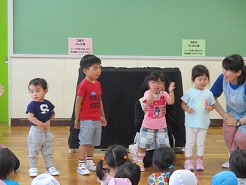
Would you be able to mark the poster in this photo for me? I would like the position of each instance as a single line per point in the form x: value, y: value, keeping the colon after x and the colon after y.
x: 79, y: 46
x: 193, y: 47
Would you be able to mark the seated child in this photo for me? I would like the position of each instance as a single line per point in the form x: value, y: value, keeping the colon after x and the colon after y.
x: 7, y: 166
x: 224, y: 178
x: 114, y: 157
x: 45, y: 179
x: 182, y: 177
x: 237, y: 163
x: 164, y: 159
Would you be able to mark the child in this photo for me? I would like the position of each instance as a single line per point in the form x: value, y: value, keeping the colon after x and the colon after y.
x: 89, y: 113
x: 153, y: 133
x: 224, y: 178
x: 127, y: 171
x: 115, y: 156
x: 197, y: 102
x: 237, y: 163
x: 40, y: 111
x: 164, y: 159
x: 17, y: 161
x: 7, y: 165
x: 45, y: 179
x: 183, y: 177
x: 232, y: 84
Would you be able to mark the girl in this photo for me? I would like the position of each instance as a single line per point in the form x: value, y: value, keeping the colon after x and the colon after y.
x: 164, y: 159
x: 232, y: 83
x: 153, y: 132
x: 115, y: 156
x: 7, y: 166
x: 197, y: 102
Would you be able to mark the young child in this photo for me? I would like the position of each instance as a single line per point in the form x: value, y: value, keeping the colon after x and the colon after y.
x: 164, y: 159
x: 40, y: 111
x: 45, y: 179
x: 197, y: 102
x: 115, y: 156
x: 153, y: 132
x: 89, y: 113
x: 224, y: 178
x: 183, y: 177
x: 127, y: 174
x: 237, y: 163
x: 7, y: 165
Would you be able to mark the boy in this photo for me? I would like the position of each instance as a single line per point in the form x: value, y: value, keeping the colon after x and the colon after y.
x: 89, y: 113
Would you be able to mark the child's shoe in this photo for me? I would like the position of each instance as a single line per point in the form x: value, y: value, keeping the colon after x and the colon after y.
x: 225, y: 165
x: 199, y: 165
x: 33, y: 172
x: 82, y: 169
x: 140, y: 164
x: 53, y: 171
x: 91, y: 166
x: 189, y: 165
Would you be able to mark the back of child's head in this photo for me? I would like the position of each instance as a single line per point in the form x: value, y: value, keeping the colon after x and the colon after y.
x: 130, y: 171
x: 199, y: 70
x: 164, y: 158
x: 224, y: 178
x: 182, y: 177
x: 39, y: 81
x: 237, y: 163
x: 235, y: 63
x: 45, y: 179
x: 115, y: 156
x: 89, y: 60
x: 7, y: 163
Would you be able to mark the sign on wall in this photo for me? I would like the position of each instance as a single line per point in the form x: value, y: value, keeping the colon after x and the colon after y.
x: 79, y: 46
x: 193, y: 47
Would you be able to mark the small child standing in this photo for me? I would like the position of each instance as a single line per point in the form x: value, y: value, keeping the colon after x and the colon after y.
x: 164, y: 159
x: 89, y: 113
x: 197, y: 102
x: 153, y: 132
x: 7, y: 165
x: 40, y: 111
x: 115, y: 156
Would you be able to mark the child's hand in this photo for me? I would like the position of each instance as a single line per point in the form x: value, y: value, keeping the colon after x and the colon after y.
x: 189, y: 111
x: 209, y: 108
x: 103, y: 121
x: 44, y: 126
x: 171, y: 87
x: 76, y: 124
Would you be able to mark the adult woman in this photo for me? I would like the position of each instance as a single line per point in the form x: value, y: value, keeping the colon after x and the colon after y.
x: 232, y: 83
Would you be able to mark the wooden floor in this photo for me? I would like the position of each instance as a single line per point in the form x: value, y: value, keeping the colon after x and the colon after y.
x: 15, y: 138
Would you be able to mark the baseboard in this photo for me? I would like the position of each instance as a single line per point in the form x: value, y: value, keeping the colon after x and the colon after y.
x: 67, y: 122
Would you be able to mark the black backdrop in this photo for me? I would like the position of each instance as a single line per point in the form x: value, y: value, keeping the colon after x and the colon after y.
x: 121, y: 90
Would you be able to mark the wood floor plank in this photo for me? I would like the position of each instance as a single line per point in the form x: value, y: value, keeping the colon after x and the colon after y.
x: 16, y: 139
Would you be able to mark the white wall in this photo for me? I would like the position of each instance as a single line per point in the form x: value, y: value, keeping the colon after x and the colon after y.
x: 61, y: 74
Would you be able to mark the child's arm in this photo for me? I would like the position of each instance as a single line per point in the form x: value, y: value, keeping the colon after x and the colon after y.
x: 78, y: 103
x: 171, y: 99
x: 150, y: 98
x: 35, y: 121
x: 186, y: 108
x: 209, y: 108
x: 103, y: 119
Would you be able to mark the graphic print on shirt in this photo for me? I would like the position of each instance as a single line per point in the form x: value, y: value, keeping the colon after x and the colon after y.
x: 94, y: 100
x: 156, y: 110
x: 44, y: 108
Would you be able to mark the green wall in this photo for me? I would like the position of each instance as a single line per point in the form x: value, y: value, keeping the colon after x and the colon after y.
x: 3, y: 55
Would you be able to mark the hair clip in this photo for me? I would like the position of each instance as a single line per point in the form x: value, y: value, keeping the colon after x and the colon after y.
x: 103, y: 159
x: 125, y: 157
x: 170, y: 167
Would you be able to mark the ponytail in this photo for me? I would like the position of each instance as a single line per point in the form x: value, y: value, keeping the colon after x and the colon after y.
x: 100, y: 171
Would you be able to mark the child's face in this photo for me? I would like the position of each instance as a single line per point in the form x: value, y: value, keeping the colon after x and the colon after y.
x: 201, y: 82
x: 156, y: 86
x: 37, y: 93
x: 93, y: 72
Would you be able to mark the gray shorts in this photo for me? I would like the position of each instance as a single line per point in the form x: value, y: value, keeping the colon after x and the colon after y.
x: 90, y: 132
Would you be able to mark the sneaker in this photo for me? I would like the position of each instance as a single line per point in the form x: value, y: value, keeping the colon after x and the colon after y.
x: 82, y: 170
x: 53, y: 171
x: 91, y: 166
x: 199, y: 165
x: 33, y: 172
x: 225, y: 165
x: 189, y: 165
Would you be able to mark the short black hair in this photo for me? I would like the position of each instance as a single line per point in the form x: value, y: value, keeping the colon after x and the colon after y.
x: 237, y: 163
x: 39, y: 81
x: 89, y: 60
x: 7, y: 163
x: 199, y: 70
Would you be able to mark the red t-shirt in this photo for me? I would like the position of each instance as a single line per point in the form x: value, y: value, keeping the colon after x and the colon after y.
x: 91, y: 104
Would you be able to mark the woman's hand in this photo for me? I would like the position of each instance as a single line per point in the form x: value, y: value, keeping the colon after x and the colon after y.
x: 229, y: 120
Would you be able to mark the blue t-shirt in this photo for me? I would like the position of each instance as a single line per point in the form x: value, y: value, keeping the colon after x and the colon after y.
x: 198, y: 100
x: 10, y: 182
x: 43, y: 111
